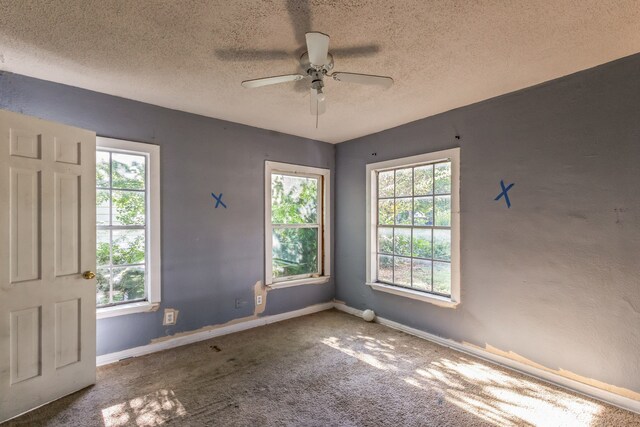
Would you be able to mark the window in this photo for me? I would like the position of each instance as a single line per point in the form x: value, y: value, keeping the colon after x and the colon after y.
x: 296, y: 224
x: 128, y: 226
x: 413, y: 243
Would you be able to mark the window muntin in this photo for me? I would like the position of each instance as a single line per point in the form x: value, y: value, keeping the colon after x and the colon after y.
x: 296, y: 229
x: 122, y: 218
x: 413, y: 227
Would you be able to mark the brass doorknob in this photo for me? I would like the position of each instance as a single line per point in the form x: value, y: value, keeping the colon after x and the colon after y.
x: 88, y: 275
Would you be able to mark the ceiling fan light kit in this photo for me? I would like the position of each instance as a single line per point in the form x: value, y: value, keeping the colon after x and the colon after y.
x: 317, y: 63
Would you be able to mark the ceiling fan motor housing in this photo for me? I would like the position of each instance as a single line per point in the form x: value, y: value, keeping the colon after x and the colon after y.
x: 308, y: 66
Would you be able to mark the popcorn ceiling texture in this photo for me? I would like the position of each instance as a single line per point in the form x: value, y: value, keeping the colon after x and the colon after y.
x: 327, y: 369
x: 192, y: 55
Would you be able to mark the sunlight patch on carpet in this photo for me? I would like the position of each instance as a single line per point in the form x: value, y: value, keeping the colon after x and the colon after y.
x: 488, y: 392
x: 505, y: 400
x: 152, y: 409
x: 370, y: 359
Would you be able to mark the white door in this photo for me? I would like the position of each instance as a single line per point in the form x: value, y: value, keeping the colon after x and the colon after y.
x: 47, y: 242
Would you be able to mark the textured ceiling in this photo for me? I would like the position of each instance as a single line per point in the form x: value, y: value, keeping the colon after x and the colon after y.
x: 192, y: 55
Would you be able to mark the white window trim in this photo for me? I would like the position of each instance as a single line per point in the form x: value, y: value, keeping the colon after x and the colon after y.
x: 288, y: 168
x: 153, y: 227
x: 371, y: 185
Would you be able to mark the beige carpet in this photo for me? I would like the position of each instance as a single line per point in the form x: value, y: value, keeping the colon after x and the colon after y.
x: 327, y: 369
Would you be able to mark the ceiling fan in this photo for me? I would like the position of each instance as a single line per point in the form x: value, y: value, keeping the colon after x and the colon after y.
x: 317, y: 62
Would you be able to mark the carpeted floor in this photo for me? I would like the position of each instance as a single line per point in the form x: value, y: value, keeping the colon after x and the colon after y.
x: 326, y: 369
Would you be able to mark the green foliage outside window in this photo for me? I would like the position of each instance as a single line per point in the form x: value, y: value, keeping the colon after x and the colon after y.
x: 414, y: 220
x: 294, y: 202
x: 120, y: 253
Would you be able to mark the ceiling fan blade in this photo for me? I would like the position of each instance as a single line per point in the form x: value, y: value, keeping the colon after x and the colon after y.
x: 365, y: 79
x: 271, y: 80
x: 318, y: 103
x: 317, y: 47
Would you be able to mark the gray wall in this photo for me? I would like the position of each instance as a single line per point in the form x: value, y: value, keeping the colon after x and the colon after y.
x: 210, y: 256
x: 556, y: 278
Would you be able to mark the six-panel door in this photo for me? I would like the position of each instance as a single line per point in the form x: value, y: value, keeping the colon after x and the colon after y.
x: 47, y: 242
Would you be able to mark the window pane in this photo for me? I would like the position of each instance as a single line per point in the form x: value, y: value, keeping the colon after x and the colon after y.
x: 423, y: 211
x: 422, y: 243
x: 102, y: 286
x: 127, y: 171
x: 103, y: 202
x: 442, y: 245
x: 443, y: 178
x: 404, y: 182
x: 294, y: 199
x: 385, y: 268
x: 128, y: 283
x: 128, y: 208
x: 103, y: 248
x: 385, y: 184
x: 422, y: 275
x: 403, y: 211
x: 102, y: 169
x: 402, y: 271
x: 295, y: 251
x: 442, y: 277
x: 385, y: 240
x: 414, y: 227
x: 385, y: 212
x: 443, y: 211
x: 128, y: 247
x: 402, y: 241
x: 423, y: 180
x: 121, y: 202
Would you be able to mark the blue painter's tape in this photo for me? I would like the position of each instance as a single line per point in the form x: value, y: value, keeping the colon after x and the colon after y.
x: 504, y: 193
x: 219, y: 200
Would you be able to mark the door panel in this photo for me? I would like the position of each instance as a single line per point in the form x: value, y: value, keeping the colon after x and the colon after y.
x: 25, y: 344
x: 25, y: 218
x: 47, y: 240
x: 67, y: 228
x: 67, y: 332
x: 67, y: 151
x: 25, y: 143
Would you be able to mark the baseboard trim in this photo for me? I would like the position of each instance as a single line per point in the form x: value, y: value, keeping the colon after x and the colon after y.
x: 106, y: 359
x: 540, y: 374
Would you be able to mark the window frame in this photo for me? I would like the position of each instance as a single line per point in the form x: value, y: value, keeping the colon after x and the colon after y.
x: 324, y: 226
x: 372, y: 169
x: 152, y: 226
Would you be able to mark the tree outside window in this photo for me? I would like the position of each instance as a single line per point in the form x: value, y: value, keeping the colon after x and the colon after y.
x: 121, y: 197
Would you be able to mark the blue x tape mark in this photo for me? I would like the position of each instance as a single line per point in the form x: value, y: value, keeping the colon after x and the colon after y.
x: 504, y: 193
x: 219, y: 200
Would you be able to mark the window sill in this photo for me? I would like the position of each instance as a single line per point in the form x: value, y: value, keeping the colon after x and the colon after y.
x: 417, y: 295
x: 121, y: 310
x: 298, y: 282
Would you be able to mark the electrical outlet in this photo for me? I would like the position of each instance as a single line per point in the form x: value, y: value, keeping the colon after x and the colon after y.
x: 169, y: 317
x: 259, y: 300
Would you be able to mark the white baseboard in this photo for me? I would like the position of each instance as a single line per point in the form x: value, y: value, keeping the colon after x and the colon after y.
x: 546, y: 376
x: 106, y: 359
x: 541, y: 374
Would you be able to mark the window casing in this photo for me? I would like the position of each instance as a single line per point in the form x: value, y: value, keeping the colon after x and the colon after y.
x: 296, y: 225
x: 128, y: 227
x: 413, y: 222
